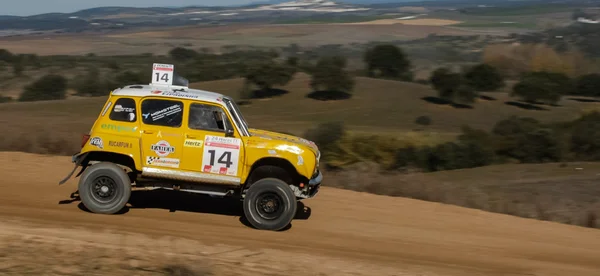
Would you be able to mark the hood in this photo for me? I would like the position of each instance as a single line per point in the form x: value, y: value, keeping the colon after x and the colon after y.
x: 285, y: 137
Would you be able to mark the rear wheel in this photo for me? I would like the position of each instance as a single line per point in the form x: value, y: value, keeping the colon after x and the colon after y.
x: 270, y: 204
x: 104, y: 188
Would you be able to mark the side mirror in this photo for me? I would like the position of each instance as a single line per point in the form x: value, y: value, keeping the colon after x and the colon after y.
x: 228, y: 131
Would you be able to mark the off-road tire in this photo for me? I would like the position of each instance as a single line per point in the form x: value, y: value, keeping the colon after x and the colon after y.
x: 285, y: 208
x: 104, y: 188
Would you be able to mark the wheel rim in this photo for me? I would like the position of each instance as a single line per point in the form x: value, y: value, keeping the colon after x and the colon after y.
x: 104, y: 189
x: 269, y: 205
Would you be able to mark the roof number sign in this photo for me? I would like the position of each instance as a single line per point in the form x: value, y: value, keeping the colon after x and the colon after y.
x: 162, y: 74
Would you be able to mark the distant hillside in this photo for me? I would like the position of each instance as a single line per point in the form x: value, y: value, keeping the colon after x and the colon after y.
x: 129, y: 17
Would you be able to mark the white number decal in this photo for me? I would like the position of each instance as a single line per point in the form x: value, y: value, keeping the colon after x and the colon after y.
x: 220, y: 155
x: 162, y: 73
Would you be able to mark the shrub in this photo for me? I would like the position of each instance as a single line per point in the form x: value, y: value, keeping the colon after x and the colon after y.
x: 585, y: 137
x: 5, y: 99
x: 588, y: 85
x: 526, y: 140
x: 326, y: 135
x: 423, y: 120
x: 48, y: 87
x: 6, y: 56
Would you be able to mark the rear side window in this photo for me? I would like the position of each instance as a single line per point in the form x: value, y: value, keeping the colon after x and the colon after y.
x: 162, y: 112
x: 124, y: 110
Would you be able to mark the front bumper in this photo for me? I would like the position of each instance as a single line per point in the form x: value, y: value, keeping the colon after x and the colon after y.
x: 314, y: 184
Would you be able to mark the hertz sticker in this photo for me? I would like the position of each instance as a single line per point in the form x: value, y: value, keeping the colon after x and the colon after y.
x: 193, y: 143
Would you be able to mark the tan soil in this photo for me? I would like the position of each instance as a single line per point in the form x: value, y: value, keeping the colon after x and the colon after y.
x: 347, y: 233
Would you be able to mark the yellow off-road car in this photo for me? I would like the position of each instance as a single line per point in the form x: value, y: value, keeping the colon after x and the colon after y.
x: 165, y: 135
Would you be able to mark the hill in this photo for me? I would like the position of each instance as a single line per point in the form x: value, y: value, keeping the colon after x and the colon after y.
x: 378, y: 107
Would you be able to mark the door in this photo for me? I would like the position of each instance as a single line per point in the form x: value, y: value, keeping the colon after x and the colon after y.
x: 162, y: 137
x: 206, y: 149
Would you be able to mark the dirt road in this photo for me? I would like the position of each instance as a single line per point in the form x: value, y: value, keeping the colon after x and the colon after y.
x: 340, y: 233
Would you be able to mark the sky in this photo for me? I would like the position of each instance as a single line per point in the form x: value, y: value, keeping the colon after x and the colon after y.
x: 31, y: 7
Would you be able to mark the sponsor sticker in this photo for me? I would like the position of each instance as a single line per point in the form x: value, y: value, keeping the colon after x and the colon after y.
x: 168, y: 111
x: 118, y: 128
x: 175, y: 94
x: 160, y: 134
x: 162, y: 148
x: 118, y: 144
x: 120, y: 108
x: 193, y: 143
x: 162, y: 162
x: 97, y: 141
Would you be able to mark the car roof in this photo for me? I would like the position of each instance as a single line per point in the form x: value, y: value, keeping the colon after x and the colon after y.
x: 169, y: 92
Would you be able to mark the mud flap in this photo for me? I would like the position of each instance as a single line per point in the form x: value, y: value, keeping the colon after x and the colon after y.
x: 76, y: 158
x: 68, y: 176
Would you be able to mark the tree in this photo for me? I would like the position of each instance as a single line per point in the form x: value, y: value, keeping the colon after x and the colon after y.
x: 91, y: 84
x: 542, y: 86
x: 445, y: 82
x: 182, y: 54
x: 588, y: 85
x: 329, y: 75
x: 48, y: 87
x: 387, y: 61
x: 484, y: 77
x: 465, y: 94
x: 265, y: 75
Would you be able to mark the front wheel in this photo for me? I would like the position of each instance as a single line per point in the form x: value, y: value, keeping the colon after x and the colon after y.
x: 270, y: 204
x: 104, y: 188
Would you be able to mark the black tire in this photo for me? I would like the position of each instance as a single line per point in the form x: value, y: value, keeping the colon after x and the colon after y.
x: 104, y: 188
x: 256, y: 203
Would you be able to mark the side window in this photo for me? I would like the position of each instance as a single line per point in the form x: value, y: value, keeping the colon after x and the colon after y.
x: 123, y: 111
x: 207, y: 117
x: 162, y: 112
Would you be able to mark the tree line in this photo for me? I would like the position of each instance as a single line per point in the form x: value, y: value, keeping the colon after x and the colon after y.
x: 330, y: 78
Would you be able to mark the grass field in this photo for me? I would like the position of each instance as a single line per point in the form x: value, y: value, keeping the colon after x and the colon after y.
x: 377, y: 107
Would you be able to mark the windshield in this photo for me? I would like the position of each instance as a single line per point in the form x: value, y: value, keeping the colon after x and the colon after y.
x: 237, y: 115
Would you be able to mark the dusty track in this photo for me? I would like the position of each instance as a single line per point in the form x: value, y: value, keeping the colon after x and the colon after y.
x: 346, y: 231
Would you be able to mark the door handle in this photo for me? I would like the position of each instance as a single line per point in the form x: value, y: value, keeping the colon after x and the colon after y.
x: 191, y: 137
x: 148, y: 131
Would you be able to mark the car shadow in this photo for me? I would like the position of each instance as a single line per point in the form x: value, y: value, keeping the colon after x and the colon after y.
x: 175, y: 201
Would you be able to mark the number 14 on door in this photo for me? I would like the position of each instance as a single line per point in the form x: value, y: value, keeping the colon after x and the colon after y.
x: 221, y: 155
